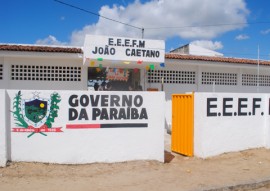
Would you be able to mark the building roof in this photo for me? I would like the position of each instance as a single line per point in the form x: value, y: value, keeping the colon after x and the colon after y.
x: 34, y: 48
x: 215, y: 59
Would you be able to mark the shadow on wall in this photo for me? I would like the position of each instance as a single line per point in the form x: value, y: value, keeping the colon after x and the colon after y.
x: 168, y: 115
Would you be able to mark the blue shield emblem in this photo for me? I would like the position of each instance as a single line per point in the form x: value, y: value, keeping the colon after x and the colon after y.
x: 35, y: 111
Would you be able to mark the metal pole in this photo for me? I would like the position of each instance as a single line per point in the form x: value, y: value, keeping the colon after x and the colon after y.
x: 258, y: 70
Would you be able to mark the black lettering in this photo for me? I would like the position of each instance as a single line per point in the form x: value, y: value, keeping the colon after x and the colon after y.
x: 104, y: 114
x: 118, y: 42
x: 139, y: 53
x: 95, y: 51
x: 134, y: 43
x: 83, y: 115
x: 84, y: 100
x: 209, y: 106
x: 141, y: 43
x: 115, y: 100
x: 225, y: 106
x: 157, y: 54
x: 241, y: 105
x: 113, y: 113
x: 112, y: 51
x: 128, y: 113
x: 153, y: 53
x: 106, y: 50
x: 134, y: 113
x: 127, y: 100
x: 127, y: 52
x: 95, y: 113
x: 133, y: 52
x: 104, y: 100
x: 110, y: 41
x: 94, y: 102
x: 127, y: 42
x: 72, y: 114
x: 73, y: 101
x: 143, y: 51
x: 122, y: 114
x: 255, y: 105
x: 147, y: 53
x: 100, y: 50
x: 143, y: 114
x: 138, y: 100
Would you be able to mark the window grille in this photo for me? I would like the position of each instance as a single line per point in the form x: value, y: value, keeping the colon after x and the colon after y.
x: 171, y: 76
x: 208, y: 78
x: 252, y: 80
x: 1, y: 71
x: 45, y: 73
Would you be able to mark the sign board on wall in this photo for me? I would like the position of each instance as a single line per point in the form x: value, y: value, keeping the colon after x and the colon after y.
x: 227, y: 122
x: 123, y: 49
x: 84, y: 127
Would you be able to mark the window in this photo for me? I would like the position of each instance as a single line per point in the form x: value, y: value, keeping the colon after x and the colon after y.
x: 45, y: 73
x: 209, y: 78
x: 252, y: 80
x: 171, y: 76
x: 1, y: 71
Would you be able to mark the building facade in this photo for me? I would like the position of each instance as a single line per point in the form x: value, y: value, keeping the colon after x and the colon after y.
x: 30, y: 67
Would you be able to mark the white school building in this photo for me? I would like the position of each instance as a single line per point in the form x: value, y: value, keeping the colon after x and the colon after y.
x: 62, y: 68
x: 31, y: 72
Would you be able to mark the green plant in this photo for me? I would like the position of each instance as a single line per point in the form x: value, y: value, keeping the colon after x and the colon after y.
x: 55, y: 99
x: 17, y: 113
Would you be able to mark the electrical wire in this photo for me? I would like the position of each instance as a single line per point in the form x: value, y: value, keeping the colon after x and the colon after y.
x: 166, y: 27
x: 213, y: 25
x: 96, y: 14
x: 162, y: 27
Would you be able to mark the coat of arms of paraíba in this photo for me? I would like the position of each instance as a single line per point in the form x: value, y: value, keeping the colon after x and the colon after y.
x: 36, y: 115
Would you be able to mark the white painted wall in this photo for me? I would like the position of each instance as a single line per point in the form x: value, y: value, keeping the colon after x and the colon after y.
x: 203, y: 66
x: 3, y: 127
x: 214, y: 135
x: 75, y: 146
x: 42, y: 59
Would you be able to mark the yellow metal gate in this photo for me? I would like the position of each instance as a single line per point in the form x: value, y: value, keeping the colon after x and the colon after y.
x: 183, y: 123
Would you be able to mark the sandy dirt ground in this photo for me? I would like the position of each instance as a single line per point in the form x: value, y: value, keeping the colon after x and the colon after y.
x: 178, y: 173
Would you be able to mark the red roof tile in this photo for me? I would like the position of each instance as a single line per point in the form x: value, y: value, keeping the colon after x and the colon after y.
x: 215, y: 59
x: 29, y: 48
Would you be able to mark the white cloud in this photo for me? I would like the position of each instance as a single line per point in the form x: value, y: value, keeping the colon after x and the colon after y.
x: 217, y: 45
x: 265, y: 32
x: 242, y: 37
x: 50, y: 40
x: 175, y: 15
x: 170, y: 13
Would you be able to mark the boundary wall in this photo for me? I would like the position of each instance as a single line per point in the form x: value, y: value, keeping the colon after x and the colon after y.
x: 3, y: 128
x: 228, y: 122
x: 77, y: 127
